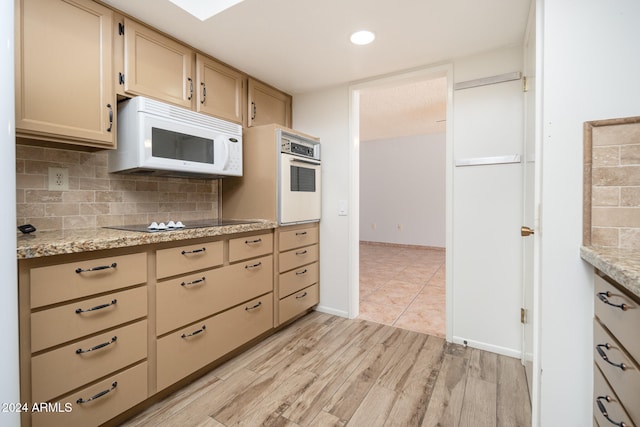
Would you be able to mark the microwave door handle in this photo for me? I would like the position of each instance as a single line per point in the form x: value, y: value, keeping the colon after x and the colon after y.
x: 304, y: 161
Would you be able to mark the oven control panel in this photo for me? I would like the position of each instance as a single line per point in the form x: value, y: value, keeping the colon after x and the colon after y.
x: 300, y: 147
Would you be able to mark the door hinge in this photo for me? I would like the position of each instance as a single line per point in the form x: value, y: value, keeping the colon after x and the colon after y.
x: 121, y: 78
x: 525, y: 88
x: 120, y: 28
x: 523, y: 315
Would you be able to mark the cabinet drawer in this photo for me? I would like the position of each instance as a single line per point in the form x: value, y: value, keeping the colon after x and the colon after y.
x: 126, y: 389
x: 297, y: 279
x: 183, y: 259
x: 625, y: 382
x: 297, y: 238
x: 623, y: 324
x: 192, y: 348
x: 62, y: 282
x: 58, y: 371
x: 612, y: 405
x: 297, y: 257
x: 58, y: 325
x: 189, y: 298
x: 250, y: 247
x: 298, y: 302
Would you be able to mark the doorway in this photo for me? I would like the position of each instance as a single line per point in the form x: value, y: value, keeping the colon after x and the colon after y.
x: 403, y: 142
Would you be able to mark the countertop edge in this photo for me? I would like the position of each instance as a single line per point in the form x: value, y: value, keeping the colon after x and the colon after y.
x: 86, y: 240
x: 621, y: 265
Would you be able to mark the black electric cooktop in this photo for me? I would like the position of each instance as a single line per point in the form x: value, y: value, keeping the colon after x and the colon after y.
x: 162, y: 228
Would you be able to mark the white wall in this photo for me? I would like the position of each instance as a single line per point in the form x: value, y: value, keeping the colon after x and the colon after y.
x: 402, y: 181
x: 590, y: 71
x: 9, y: 386
x: 326, y: 115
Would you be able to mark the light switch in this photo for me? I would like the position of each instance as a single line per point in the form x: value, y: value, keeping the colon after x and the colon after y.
x: 342, y: 208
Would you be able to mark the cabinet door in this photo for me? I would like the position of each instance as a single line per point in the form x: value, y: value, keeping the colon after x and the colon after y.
x: 64, y: 73
x: 268, y: 105
x: 157, y: 66
x: 219, y: 90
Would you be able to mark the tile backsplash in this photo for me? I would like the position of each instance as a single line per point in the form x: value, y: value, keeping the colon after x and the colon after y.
x: 614, y: 214
x: 97, y: 198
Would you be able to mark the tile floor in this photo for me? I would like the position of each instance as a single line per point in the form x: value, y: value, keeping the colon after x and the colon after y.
x: 403, y: 287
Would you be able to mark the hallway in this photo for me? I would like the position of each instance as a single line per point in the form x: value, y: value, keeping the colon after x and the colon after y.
x: 403, y: 287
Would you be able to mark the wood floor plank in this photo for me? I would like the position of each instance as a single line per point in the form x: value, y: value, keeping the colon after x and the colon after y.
x: 479, y: 403
x: 397, y: 370
x: 445, y: 405
x: 413, y: 398
x: 513, y: 403
x: 310, y: 403
x: 483, y: 365
x: 375, y: 408
x: 325, y: 419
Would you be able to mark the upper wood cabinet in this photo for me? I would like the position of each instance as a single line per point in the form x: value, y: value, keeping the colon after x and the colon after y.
x: 268, y: 105
x: 157, y: 66
x: 64, y: 73
x: 220, y: 90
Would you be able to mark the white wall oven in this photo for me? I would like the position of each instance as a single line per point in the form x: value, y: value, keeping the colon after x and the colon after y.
x: 299, y: 183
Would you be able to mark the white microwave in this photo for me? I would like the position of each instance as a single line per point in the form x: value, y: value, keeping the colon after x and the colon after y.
x: 155, y: 138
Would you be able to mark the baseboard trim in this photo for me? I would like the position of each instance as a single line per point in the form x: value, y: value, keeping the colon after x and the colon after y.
x: 329, y: 310
x: 402, y: 245
x: 488, y: 347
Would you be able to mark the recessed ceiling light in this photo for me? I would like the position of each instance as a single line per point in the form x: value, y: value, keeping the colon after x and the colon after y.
x: 204, y: 9
x: 362, y: 37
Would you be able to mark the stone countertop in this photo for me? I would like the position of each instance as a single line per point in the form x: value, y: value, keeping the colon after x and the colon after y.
x: 47, y: 243
x: 622, y: 265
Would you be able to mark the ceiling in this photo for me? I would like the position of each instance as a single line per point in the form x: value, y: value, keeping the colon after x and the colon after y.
x: 300, y: 46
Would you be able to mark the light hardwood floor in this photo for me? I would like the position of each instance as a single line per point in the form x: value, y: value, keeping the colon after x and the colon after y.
x: 325, y: 370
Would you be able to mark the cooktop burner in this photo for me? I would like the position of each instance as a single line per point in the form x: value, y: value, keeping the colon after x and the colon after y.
x: 178, y: 225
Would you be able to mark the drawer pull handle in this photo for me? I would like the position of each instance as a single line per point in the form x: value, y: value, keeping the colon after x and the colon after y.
x: 252, y: 266
x: 251, y: 242
x: 194, y: 332
x: 606, y: 358
x: 98, y: 347
x: 97, y: 307
x: 300, y: 273
x: 604, y: 297
x: 98, y: 268
x: 301, y: 233
x: 193, y: 282
x: 195, y: 251
x: 302, y: 252
x: 604, y: 412
x: 99, y: 395
x: 254, y: 307
x: 301, y: 296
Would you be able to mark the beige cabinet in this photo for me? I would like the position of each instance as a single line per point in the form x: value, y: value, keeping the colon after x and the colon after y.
x: 267, y: 105
x: 219, y: 90
x: 156, y: 66
x: 85, y: 320
x: 616, y: 354
x: 64, y: 73
x: 298, y: 268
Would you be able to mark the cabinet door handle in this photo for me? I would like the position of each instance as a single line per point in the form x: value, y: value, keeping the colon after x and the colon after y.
x: 302, y: 252
x: 604, y: 297
x: 98, y: 268
x: 193, y: 282
x: 301, y: 233
x: 300, y: 273
x: 97, y: 307
x: 97, y: 347
x: 196, y: 332
x: 99, y: 395
x: 204, y: 93
x: 254, y: 307
x: 252, y: 266
x: 301, y: 296
x: 604, y: 356
x: 604, y: 412
x: 195, y: 251
x: 110, y: 117
x: 253, y: 106
x: 190, y: 88
x: 252, y: 242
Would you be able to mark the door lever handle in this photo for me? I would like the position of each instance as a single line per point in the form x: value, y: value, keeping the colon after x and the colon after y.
x: 526, y: 231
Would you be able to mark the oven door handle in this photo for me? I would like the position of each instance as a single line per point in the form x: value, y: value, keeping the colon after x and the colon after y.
x: 304, y: 161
